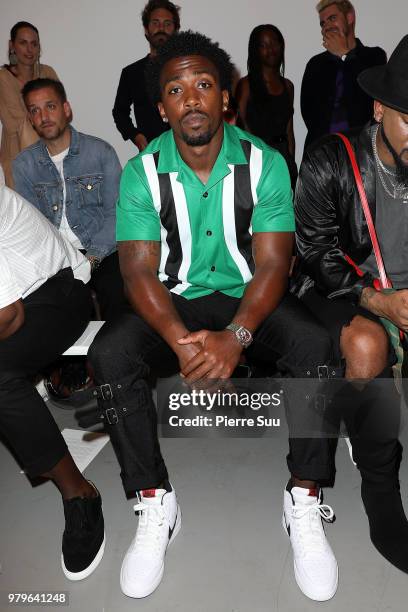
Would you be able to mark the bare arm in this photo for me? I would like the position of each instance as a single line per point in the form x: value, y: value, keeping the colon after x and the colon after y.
x: 139, y: 261
x: 272, y: 252
x: 11, y: 319
x: 392, y: 306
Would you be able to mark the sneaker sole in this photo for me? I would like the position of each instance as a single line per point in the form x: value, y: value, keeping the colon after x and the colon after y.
x: 88, y: 570
x: 305, y: 591
x: 153, y: 586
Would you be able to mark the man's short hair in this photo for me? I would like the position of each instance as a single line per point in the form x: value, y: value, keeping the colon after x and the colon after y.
x: 181, y: 45
x: 37, y: 84
x: 345, y: 6
x: 152, y: 5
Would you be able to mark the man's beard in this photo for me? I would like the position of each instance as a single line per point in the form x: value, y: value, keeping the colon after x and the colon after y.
x: 401, y: 167
x: 58, y: 132
x: 197, y: 141
x: 154, y: 40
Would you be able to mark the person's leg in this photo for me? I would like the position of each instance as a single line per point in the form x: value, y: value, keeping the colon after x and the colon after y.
x: 302, y: 349
x: 371, y: 411
x: 55, y: 315
x: 372, y: 418
x: 303, y: 352
x: 107, y: 282
x: 122, y: 356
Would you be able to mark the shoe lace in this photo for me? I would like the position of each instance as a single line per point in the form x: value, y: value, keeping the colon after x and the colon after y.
x: 309, y: 526
x: 150, y: 530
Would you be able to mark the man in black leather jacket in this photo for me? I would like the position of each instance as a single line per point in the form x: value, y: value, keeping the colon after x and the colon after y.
x: 336, y: 278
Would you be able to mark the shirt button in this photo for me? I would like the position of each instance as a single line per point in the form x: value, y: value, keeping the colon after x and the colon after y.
x: 205, y: 194
x: 212, y: 268
x: 209, y: 233
x: 55, y: 207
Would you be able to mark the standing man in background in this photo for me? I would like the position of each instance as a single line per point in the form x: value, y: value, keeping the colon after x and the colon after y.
x: 331, y: 99
x: 160, y: 20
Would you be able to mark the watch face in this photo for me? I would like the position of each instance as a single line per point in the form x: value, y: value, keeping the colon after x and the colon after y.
x: 244, y: 336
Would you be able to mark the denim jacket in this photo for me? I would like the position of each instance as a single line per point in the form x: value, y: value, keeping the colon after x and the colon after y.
x: 92, y: 173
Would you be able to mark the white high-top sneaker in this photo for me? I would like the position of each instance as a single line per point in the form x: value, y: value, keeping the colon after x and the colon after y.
x: 159, y: 523
x: 314, y: 563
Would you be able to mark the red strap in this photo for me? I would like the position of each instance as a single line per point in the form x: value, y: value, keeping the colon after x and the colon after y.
x: 355, y: 266
x: 385, y: 283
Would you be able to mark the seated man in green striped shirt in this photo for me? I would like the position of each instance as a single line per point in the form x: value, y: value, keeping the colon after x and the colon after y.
x: 205, y: 228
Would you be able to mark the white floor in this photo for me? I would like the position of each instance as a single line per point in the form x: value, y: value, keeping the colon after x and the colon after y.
x: 231, y: 554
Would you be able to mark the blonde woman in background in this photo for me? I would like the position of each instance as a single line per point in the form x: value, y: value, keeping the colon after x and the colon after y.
x: 24, y: 65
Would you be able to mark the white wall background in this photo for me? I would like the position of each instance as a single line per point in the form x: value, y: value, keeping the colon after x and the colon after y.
x: 88, y: 42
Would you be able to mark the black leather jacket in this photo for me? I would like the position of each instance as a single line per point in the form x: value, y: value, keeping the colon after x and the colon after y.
x: 330, y: 221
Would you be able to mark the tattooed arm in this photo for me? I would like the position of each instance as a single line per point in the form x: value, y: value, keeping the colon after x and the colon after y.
x: 139, y: 262
x: 392, y: 306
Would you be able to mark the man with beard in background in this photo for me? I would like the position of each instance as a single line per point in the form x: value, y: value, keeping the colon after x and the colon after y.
x: 160, y: 20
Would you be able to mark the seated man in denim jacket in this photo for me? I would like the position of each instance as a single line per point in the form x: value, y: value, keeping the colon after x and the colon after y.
x: 73, y: 179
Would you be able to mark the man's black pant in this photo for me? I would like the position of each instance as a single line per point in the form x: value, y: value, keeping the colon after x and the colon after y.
x: 125, y: 350
x: 371, y: 413
x: 55, y: 316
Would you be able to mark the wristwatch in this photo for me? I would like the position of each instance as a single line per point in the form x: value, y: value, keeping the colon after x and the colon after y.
x: 242, y: 334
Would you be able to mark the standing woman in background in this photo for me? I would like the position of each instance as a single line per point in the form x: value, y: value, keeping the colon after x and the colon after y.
x: 24, y: 65
x: 265, y: 97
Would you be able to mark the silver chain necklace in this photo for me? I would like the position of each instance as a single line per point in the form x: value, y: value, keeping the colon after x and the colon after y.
x: 396, y: 190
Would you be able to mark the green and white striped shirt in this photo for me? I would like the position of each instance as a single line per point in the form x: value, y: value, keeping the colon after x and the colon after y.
x: 205, y: 230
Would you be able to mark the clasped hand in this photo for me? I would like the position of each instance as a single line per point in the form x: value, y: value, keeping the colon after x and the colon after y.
x: 208, y: 355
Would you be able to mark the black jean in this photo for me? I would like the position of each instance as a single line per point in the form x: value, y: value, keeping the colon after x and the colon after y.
x: 55, y: 316
x: 125, y: 350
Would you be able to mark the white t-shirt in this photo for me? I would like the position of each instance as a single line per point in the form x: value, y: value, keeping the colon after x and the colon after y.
x: 64, y: 228
x: 32, y: 250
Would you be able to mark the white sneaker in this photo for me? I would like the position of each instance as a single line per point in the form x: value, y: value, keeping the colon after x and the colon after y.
x: 159, y: 523
x: 315, y: 565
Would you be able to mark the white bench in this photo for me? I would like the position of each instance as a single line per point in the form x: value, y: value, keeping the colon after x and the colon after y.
x: 83, y: 343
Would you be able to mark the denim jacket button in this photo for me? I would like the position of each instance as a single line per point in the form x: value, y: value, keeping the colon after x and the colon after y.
x: 89, y: 187
x: 55, y: 207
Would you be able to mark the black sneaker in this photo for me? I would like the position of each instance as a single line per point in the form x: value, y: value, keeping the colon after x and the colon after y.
x: 83, y: 541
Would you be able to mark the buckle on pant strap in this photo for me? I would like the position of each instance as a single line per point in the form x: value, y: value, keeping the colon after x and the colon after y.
x: 103, y: 392
x: 323, y: 371
x: 111, y: 416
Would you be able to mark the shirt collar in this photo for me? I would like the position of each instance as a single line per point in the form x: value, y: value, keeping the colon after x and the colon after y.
x: 352, y: 53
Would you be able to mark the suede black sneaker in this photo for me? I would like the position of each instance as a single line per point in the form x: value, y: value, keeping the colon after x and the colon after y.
x: 83, y: 541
